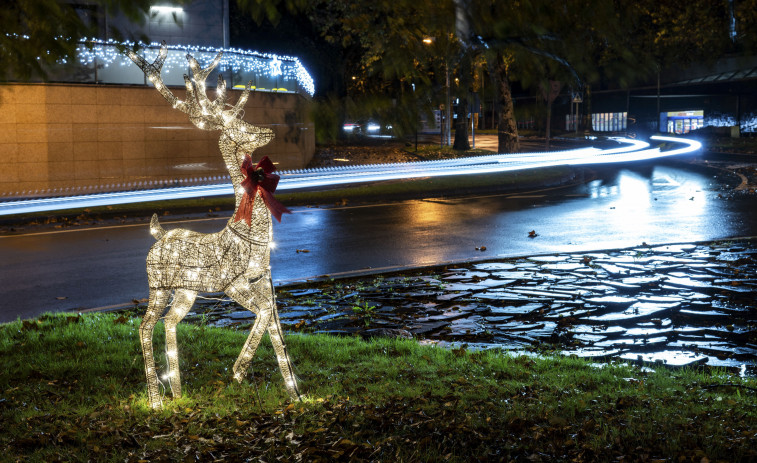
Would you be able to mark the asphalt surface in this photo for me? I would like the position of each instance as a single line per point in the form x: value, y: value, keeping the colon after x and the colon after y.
x: 625, y: 206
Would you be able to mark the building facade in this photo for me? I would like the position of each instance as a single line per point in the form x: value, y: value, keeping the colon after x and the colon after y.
x: 99, y: 126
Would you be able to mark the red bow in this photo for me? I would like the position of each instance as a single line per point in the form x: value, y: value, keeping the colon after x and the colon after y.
x: 259, y: 179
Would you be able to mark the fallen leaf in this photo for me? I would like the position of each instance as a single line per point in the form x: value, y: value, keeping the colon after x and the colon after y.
x: 558, y: 421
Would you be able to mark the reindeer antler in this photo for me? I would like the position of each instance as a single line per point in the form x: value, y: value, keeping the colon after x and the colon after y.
x: 203, y: 113
x: 152, y: 71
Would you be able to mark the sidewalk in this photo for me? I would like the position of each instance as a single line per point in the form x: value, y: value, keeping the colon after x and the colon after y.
x: 679, y: 305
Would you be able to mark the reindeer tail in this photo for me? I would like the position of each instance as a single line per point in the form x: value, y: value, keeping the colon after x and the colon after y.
x: 155, y: 229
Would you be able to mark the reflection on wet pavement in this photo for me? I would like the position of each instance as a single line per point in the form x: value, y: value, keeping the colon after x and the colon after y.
x: 677, y: 305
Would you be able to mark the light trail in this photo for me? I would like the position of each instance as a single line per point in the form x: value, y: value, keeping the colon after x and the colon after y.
x: 631, y: 150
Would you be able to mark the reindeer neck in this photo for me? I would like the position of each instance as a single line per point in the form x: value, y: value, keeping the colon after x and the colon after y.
x: 233, y: 156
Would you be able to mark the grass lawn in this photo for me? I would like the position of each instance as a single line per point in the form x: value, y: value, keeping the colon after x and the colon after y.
x: 72, y: 389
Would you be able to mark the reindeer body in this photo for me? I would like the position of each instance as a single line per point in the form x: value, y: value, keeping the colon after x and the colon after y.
x: 234, y: 260
x: 184, y: 259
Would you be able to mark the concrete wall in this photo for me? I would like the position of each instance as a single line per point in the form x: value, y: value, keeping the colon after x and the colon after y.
x: 66, y: 138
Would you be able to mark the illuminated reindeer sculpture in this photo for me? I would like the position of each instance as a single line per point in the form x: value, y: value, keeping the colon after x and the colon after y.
x: 234, y: 260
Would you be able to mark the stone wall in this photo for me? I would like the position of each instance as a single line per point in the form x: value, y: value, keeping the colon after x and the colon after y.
x: 71, y: 139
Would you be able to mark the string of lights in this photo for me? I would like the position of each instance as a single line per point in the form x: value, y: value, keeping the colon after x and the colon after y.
x: 247, y: 63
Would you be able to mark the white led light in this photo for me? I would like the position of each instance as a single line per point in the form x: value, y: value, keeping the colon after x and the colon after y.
x: 166, y: 9
x: 275, y: 66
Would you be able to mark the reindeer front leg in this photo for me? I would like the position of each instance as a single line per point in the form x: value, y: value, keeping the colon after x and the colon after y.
x: 158, y: 301
x: 245, y: 294
x: 183, y: 300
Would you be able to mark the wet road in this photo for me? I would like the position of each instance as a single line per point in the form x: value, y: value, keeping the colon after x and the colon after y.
x: 666, y: 203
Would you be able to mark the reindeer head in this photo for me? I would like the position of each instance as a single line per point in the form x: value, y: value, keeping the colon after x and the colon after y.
x: 203, y: 113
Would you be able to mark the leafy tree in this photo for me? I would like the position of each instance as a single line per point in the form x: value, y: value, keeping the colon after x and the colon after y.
x: 383, y: 62
x: 39, y: 33
x: 379, y: 65
x: 674, y: 34
x: 745, y: 19
x: 544, y: 44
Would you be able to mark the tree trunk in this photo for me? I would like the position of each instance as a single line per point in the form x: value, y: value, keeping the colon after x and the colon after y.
x: 461, y: 123
x: 549, y: 123
x: 507, y: 129
x: 586, y: 116
x: 461, y: 126
x: 550, y: 92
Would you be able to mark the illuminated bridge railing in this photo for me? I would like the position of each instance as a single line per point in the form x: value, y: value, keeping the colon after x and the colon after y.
x: 102, y: 62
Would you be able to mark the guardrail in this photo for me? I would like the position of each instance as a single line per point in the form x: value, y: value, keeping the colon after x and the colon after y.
x: 102, y: 62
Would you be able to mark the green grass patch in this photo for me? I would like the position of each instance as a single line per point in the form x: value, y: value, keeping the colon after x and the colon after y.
x: 72, y: 389
x: 435, y: 152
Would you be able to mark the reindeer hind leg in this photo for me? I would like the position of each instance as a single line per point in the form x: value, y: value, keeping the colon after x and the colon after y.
x: 251, y: 295
x: 157, y: 302
x: 183, y: 300
x: 282, y: 355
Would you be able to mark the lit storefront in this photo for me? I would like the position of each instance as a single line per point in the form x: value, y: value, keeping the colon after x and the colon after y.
x: 609, y: 122
x: 680, y: 122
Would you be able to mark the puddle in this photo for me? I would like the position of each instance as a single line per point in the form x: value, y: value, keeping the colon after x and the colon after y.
x: 675, y: 305
x: 671, y: 358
